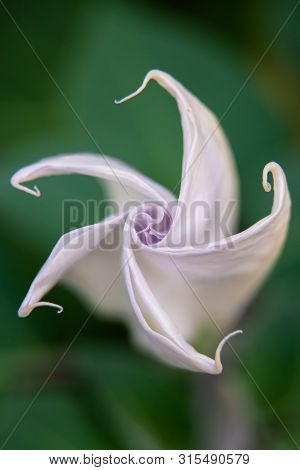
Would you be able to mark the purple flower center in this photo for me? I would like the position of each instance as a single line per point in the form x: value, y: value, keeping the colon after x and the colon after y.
x: 152, y: 223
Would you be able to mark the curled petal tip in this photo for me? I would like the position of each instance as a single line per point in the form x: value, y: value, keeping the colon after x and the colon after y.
x: 269, y: 168
x: 140, y: 88
x: 26, y: 310
x: 218, y: 363
x: 122, y: 100
x: 266, y: 185
x: 34, y: 192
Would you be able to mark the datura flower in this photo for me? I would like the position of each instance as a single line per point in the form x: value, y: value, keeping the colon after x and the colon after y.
x: 167, y: 287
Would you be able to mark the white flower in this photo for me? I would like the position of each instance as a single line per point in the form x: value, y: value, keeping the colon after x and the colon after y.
x: 174, y: 289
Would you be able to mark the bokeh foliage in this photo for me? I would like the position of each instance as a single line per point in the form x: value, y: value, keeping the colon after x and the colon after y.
x: 105, y: 393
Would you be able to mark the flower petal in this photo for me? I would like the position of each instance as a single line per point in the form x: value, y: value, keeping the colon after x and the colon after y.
x: 68, y: 254
x: 92, y: 165
x: 155, y: 329
x: 98, y: 277
x: 208, y: 172
x: 87, y: 273
x: 201, y: 288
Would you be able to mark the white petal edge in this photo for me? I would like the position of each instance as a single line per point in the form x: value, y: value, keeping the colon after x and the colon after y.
x: 224, y: 275
x: 279, y: 216
x: 208, y: 169
x: 156, y: 331
x: 92, y: 165
x: 69, y: 249
x: 119, y: 176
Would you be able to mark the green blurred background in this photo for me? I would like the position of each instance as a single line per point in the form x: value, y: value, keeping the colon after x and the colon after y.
x: 105, y: 393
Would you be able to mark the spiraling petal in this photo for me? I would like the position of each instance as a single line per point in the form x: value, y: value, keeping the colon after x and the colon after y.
x: 209, y: 178
x: 208, y: 286
x: 155, y: 329
x: 89, y: 274
x: 69, y: 254
x: 92, y: 165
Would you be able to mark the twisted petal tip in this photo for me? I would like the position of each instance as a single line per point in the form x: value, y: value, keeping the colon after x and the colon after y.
x: 271, y: 167
x: 34, y: 192
x: 26, y: 310
x: 218, y: 363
